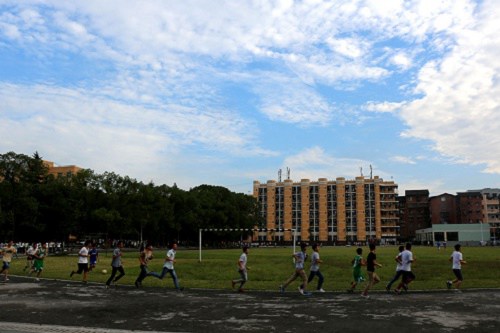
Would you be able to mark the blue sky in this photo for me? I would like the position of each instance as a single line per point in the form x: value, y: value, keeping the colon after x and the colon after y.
x: 227, y: 92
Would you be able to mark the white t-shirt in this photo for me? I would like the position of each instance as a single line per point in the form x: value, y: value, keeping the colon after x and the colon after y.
x: 314, y: 262
x: 456, y: 258
x: 243, y: 261
x: 300, y: 257
x: 83, y: 256
x: 170, y: 263
x: 406, y: 258
x: 399, y: 265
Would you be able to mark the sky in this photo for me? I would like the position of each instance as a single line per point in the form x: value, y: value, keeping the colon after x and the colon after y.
x: 223, y: 92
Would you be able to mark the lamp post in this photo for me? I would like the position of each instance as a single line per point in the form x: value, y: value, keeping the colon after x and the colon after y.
x: 482, y: 239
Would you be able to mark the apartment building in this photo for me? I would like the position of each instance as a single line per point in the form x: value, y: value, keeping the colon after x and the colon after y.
x: 332, y: 211
x: 415, y: 214
x: 443, y: 209
x: 469, y: 207
x: 491, y: 210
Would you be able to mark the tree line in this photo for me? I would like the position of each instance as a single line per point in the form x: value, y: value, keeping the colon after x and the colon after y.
x: 36, y: 206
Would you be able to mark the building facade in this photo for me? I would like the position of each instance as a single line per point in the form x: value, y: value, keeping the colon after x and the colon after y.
x: 491, y: 210
x: 415, y: 213
x: 470, y: 207
x: 451, y: 234
x: 61, y: 171
x: 341, y: 211
x: 443, y: 209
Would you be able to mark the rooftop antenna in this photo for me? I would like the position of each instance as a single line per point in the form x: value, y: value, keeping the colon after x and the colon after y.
x: 279, y: 175
x: 371, y: 172
x: 361, y: 171
x: 288, y: 173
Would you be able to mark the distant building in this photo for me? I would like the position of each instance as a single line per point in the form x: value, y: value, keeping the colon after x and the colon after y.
x: 465, y: 234
x: 491, y: 210
x: 61, y: 171
x: 443, y: 209
x: 339, y: 211
x: 470, y: 207
x: 415, y: 215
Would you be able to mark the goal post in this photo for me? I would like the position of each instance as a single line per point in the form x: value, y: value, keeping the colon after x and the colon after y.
x: 200, y: 240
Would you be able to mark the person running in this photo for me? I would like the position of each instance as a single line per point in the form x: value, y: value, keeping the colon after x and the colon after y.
x: 356, y: 263
x: 116, y: 265
x: 29, y: 257
x: 93, y: 256
x: 168, y: 267
x: 314, y: 270
x: 144, y: 257
x: 371, y: 263
x: 38, y: 263
x: 300, y: 258
x: 457, y: 260
x: 7, y: 252
x: 83, y: 262
x: 407, y: 259
x: 399, y: 272
x: 242, y: 269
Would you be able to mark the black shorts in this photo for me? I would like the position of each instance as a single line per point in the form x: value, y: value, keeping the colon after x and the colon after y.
x: 458, y: 274
x: 83, y: 268
x: 408, y: 276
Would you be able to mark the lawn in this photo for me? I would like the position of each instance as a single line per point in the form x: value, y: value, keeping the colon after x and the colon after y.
x: 269, y: 267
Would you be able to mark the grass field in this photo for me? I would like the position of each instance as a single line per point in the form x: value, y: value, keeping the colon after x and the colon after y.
x: 269, y: 267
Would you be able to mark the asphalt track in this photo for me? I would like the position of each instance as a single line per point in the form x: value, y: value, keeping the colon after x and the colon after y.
x: 65, y: 306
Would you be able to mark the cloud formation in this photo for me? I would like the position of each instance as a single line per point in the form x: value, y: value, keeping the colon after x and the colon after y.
x: 189, y: 82
x: 459, y: 111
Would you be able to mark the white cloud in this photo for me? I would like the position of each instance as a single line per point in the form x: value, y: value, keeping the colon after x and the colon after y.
x: 109, y: 135
x: 401, y: 60
x: 294, y: 102
x: 460, y: 110
x: 403, y: 159
x: 149, y: 33
x: 384, y: 107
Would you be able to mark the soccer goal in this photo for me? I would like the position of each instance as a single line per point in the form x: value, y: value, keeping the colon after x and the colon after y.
x: 294, y: 233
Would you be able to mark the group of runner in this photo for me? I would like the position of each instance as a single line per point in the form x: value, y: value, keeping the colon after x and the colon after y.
x: 88, y: 257
x: 117, y: 271
x: 404, y: 259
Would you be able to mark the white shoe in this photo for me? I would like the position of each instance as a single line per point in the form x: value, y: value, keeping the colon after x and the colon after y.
x: 321, y: 290
x: 301, y: 291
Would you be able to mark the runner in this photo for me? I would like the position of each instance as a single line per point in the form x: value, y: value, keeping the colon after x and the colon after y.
x: 457, y: 260
x: 407, y: 259
x: 399, y: 272
x: 371, y: 263
x: 7, y: 252
x: 38, y: 264
x: 29, y: 257
x: 116, y: 265
x: 300, y: 258
x: 314, y: 270
x: 93, y: 256
x: 242, y: 269
x: 168, y: 267
x: 144, y: 257
x: 83, y: 262
x: 356, y: 263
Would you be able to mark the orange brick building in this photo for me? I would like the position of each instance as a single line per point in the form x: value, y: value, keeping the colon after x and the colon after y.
x: 61, y: 171
x: 340, y: 211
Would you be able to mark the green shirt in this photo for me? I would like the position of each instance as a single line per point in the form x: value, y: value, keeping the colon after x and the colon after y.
x: 356, y: 267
